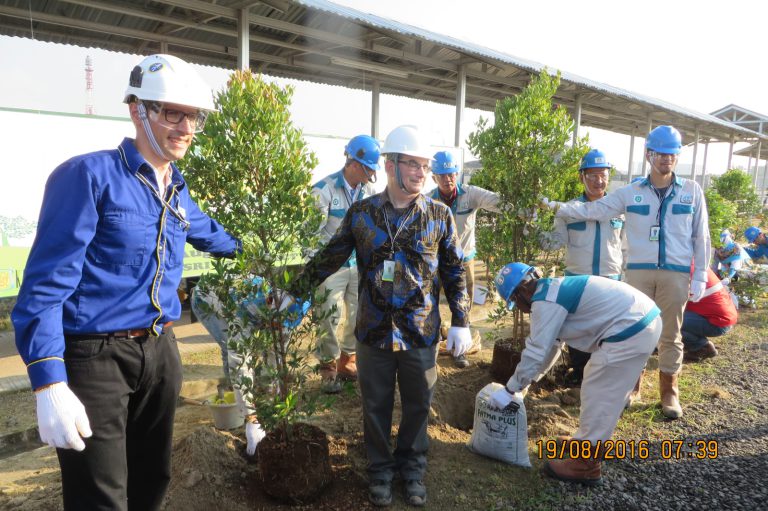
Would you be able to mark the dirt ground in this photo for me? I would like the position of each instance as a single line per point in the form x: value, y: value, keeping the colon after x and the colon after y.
x: 212, y: 471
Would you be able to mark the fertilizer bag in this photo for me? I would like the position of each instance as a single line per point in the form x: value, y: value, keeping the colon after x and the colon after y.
x: 500, y: 434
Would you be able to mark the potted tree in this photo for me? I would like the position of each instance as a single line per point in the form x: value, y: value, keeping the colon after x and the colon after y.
x: 252, y: 172
x: 527, y: 153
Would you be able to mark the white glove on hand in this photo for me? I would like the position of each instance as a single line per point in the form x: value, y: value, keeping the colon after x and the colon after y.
x: 282, y: 300
x: 725, y: 281
x: 253, y: 434
x: 61, y: 418
x: 549, y: 204
x: 500, y: 399
x: 697, y: 290
x: 459, y: 340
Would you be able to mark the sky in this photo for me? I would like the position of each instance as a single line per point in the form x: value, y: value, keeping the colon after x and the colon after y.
x: 701, y: 55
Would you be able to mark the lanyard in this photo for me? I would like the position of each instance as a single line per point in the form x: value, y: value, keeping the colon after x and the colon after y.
x: 403, y: 221
x: 177, y: 212
x: 352, y: 198
x: 661, y: 201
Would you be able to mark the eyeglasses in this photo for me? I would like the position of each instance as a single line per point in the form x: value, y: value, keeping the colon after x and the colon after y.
x: 173, y: 116
x: 414, y: 165
x: 660, y: 156
x: 603, y: 176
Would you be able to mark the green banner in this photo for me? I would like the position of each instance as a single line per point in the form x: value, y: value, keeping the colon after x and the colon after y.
x: 14, y: 259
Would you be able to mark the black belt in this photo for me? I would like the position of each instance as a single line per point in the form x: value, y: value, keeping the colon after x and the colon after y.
x: 121, y: 334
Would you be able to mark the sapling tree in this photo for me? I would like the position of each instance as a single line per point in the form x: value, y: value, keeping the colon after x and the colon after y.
x: 736, y: 186
x: 251, y: 170
x: 526, y: 154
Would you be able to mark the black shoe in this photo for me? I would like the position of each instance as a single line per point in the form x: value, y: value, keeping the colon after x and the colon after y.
x: 461, y: 361
x: 707, y: 351
x: 415, y: 492
x: 380, y: 493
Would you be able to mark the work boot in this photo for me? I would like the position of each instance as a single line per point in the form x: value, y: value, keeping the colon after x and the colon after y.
x: 329, y: 383
x: 586, y: 472
x: 707, y: 351
x: 380, y: 492
x: 670, y: 396
x: 415, y: 492
x: 346, y: 367
x: 476, y: 343
x: 635, y: 395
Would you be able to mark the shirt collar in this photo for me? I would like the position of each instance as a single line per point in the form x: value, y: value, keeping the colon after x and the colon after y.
x: 420, y: 201
x: 135, y: 161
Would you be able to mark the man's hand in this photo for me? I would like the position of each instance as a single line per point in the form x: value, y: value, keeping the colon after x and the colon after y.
x: 697, y: 290
x: 253, y: 434
x: 500, y: 399
x: 61, y: 418
x: 459, y: 340
x: 546, y: 203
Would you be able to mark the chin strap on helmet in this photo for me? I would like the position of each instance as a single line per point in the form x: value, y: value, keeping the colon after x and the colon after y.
x: 399, y: 176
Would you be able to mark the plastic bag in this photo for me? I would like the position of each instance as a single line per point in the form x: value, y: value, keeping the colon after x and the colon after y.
x: 500, y: 434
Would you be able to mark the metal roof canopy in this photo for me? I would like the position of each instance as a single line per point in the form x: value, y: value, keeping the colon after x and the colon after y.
x: 319, y: 41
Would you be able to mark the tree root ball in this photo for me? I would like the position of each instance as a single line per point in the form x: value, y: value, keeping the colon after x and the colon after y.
x: 295, y: 466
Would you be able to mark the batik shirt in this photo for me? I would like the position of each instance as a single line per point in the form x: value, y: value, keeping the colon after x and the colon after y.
x: 423, y: 246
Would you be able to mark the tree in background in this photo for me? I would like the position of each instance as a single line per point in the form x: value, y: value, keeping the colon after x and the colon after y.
x: 252, y: 171
x: 526, y: 154
x: 723, y: 214
x: 736, y: 187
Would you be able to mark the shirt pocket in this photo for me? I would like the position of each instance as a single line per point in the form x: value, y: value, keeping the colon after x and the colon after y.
x: 578, y: 236
x: 121, y: 238
x: 681, y: 219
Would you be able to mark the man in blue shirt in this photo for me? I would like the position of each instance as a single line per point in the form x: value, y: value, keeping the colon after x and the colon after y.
x: 759, y: 252
x: 99, y: 295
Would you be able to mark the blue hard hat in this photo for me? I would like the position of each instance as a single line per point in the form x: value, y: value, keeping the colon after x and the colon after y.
x: 509, y: 278
x: 594, y: 159
x: 725, y: 237
x: 752, y: 233
x: 444, y: 164
x: 364, y: 149
x: 664, y: 140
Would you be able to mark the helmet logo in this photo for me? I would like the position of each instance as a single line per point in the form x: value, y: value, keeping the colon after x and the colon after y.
x: 157, y: 66
x: 599, y: 159
x: 499, y: 280
x: 506, y: 271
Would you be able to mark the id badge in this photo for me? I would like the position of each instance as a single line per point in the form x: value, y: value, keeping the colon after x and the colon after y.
x: 389, y: 271
x: 654, y: 235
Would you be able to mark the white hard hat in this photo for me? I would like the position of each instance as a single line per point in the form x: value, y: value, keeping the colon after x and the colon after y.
x: 168, y: 79
x: 407, y: 140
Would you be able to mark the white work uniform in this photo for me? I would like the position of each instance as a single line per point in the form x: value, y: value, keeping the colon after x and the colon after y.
x: 469, y: 200
x: 334, y: 197
x: 663, y: 239
x: 613, y: 321
x: 593, y: 247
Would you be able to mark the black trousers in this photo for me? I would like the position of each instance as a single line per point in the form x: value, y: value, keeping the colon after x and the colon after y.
x: 415, y: 372
x: 129, y: 388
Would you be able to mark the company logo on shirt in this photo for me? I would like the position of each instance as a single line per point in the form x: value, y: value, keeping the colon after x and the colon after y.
x: 638, y: 199
x: 335, y: 201
x: 686, y: 198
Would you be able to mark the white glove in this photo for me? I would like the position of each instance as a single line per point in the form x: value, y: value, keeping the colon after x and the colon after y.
x: 282, y: 300
x: 725, y: 281
x: 500, y: 399
x: 253, y: 434
x: 459, y: 340
x: 550, y: 204
x: 61, y: 418
x: 697, y: 290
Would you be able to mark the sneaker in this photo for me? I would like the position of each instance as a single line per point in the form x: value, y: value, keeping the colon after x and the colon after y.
x: 708, y: 351
x: 461, y: 361
x: 415, y: 492
x: 329, y: 383
x: 380, y: 493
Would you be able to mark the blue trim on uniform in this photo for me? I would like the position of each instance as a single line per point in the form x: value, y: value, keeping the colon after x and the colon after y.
x: 569, y: 293
x: 642, y: 266
x: 466, y: 212
x: 338, y: 213
x: 577, y: 226
x: 470, y: 256
x: 675, y: 267
x: 636, y: 328
x: 596, y: 251
x: 612, y: 277
x: 662, y: 214
x: 643, y: 209
x: 682, y: 209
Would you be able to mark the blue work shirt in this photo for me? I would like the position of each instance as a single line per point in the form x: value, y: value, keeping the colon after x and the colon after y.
x: 107, y: 255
